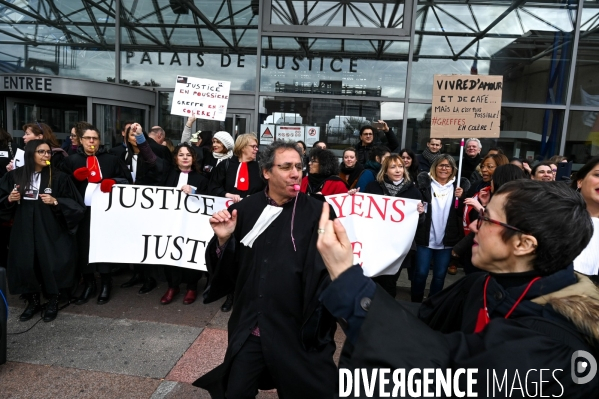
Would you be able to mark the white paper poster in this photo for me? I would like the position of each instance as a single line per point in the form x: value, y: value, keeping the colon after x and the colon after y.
x: 290, y: 133
x: 202, y: 98
x: 267, y: 134
x: 19, y: 158
x: 375, y: 222
x: 156, y: 226
x: 312, y: 135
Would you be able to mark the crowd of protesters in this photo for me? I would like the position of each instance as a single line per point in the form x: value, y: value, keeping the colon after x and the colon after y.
x: 45, y: 203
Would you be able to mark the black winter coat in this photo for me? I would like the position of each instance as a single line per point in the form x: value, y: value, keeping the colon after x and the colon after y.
x: 224, y: 174
x: 408, y: 191
x: 363, y: 152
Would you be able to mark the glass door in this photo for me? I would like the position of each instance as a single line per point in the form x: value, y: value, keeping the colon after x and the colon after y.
x: 110, y: 119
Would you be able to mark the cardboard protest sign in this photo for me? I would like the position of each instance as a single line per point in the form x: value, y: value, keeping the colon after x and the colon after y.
x: 290, y: 133
x: 156, y: 226
x: 202, y: 98
x: 466, y: 106
x: 377, y: 222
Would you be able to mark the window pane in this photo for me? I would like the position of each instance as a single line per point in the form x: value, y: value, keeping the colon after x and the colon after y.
x: 529, y: 44
x: 339, y: 120
x: 582, y: 138
x: 375, y: 68
x: 364, y: 14
x: 586, y: 86
x: 522, y: 134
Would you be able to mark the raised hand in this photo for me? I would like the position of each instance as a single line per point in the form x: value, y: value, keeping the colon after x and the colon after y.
x: 333, y: 244
x: 223, y: 223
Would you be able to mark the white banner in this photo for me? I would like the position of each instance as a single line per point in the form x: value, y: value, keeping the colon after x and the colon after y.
x: 380, y: 228
x: 151, y: 225
x: 202, y: 98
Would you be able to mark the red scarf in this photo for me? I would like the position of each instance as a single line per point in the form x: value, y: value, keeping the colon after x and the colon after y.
x: 242, y: 182
x: 93, y: 166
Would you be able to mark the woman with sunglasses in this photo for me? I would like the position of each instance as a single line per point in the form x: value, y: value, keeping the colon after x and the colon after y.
x: 236, y: 178
x: 187, y: 178
x: 323, y: 178
x: 91, y: 166
x: 441, y: 229
x: 46, y: 208
x: 587, y: 183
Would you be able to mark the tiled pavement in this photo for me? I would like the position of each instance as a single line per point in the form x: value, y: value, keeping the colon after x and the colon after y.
x: 132, y: 347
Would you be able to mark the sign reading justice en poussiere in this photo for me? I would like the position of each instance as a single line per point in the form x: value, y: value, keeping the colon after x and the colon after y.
x: 152, y: 225
x: 202, y: 98
x: 466, y: 106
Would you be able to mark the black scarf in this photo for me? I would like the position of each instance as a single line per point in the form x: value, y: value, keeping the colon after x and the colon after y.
x: 352, y: 173
x: 315, y: 182
x: 429, y: 156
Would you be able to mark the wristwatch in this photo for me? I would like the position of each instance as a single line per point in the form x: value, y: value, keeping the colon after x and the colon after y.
x: 55, y: 202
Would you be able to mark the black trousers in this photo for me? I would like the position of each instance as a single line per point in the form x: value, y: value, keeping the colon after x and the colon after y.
x: 177, y: 275
x: 246, y: 368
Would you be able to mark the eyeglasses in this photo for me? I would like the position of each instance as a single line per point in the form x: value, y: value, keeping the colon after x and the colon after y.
x: 90, y: 138
x: 367, y: 134
x: 44, y: 152
x: 444, y: 166
x: 254, y: 147
x: 488, y: 166
x: 313, y: 161
x: 554, y: 170
x: 482, y: 218
x: 286, y: 167
x: 73, y: 136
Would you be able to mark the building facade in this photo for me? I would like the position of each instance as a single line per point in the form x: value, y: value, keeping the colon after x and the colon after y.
x: 329, y: 65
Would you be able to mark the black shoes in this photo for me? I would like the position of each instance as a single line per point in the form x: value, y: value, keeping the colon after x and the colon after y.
x: 228, y: 304
x: 33, y: 306
x: 134, y: 280
x: 89, y: 290
x: 149, y: 285
x: 104, y: 296
x: 51, y: 309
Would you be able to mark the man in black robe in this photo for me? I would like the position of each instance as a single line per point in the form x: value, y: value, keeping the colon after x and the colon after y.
x: 522, y: 324
x: 279, y: 334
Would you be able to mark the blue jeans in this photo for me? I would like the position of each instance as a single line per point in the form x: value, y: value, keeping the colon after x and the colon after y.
x: 441, y: 259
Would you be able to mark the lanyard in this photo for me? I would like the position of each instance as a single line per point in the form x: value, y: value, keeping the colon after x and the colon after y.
x: 483, y: 314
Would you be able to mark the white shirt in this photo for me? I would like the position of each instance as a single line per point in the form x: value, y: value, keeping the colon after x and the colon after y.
x: 441, y: 203
x: 588, y: 260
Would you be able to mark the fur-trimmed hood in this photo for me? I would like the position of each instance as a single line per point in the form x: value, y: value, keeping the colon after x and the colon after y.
x: 579, y: 303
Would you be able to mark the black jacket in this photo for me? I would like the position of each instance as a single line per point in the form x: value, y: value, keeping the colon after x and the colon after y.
x: 453, y: 229
x: 193, y: 179
x: 224, y: 174
x: 363, y: 152
x: 408, y: 191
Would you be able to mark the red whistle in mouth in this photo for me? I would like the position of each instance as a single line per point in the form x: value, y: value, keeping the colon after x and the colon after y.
x: 296, y: 187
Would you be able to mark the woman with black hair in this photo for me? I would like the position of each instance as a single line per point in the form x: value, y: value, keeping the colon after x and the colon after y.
x: 411, y: 162
x: 587, y: 183
x: 7, y: 150
x: 41, y: 131
x: 185, y: 177
x: 46, y: 208
x: 323, y: 178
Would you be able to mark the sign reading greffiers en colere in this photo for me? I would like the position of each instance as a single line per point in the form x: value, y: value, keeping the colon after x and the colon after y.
x: 319, y: 64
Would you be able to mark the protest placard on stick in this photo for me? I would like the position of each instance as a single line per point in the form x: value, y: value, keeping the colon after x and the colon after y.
x: 202, y: 98
x: 466, y: 106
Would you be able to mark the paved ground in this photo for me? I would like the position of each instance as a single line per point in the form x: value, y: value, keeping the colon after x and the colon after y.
x: 132, y: 347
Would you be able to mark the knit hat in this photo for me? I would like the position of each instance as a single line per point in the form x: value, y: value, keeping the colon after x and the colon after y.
x: 224, y: 138
x: 195, y: 137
